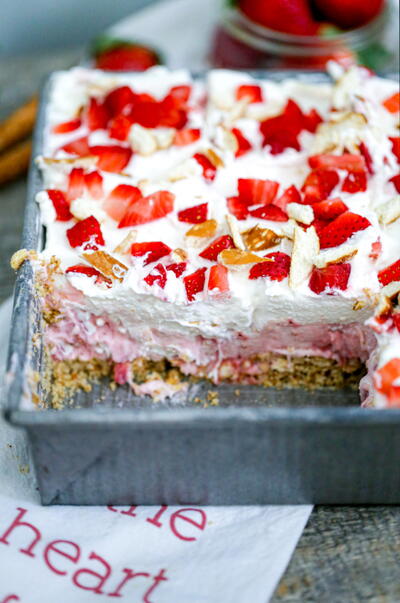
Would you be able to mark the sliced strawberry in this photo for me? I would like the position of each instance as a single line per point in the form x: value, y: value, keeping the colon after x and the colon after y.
x: 333, y: 276
x: 120, y: 198
x: 395, y: 140
x: 97, y: 115
x: 329, y: 209
x: 67, y: 126
x: 180, y: 94
x: 290, y: 195
x: 347, y: 161
x: 319, y: 225
x: 318, y: 185
x: 209, y: 169
x: 94, y: 184
x: 153, y: 250
x: 86, y: 231
x: 76, y: 184
x: 120, y: 101
x: 60, y: 205
x: 257, y: 192
x: 147, y: 209
x: 186, y: 136
x: 341, y: 229
x: 194, y: 283
x: 172, y: 113
x: 178, y: 268
x: 269, y: 212
x: 252, y: 92
x: 194, y: 215
x: 126, y: 57
x: 244, y: 146
x: 218, y: 278
x: 276, y: 270
x: 392, y: 104
x: 214, y: 249
x: 146, y: 113
x: 290, y: 16
x: 238, y: 208
x: 385, y: 377
x: 281, y: 132
x: 355, y: 182
x: 158, y: 276
x: 367, y: 158
x: 390, y: 273
x: 119, y: 127
x: 396, y: 182
x: 312, y: 120
x: 83, y: 269
x: 111, y: 158
x: 78, y: 147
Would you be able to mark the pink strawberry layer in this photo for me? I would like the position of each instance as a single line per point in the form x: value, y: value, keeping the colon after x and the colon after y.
x: 74, y: 338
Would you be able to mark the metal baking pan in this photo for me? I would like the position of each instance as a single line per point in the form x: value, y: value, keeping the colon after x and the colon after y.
x: 265, y: 446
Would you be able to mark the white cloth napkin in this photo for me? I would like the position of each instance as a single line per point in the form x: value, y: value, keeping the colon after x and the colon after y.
x: 135, y: 554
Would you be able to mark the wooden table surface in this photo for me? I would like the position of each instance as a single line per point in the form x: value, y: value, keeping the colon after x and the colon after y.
x: 346, y: 554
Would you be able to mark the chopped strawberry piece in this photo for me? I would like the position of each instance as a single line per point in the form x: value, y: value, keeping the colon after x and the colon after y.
x: 127, y: 57
x: 119, y: 127
x: 67, y: 126
x: 385, y: 377
x: 347, y: 161
x: 86, y: 231
x: 194, y: 283
x: 252, y: 92
x: 146, y: 113
x: 341, y: 229
x: 83, y: 269
x: 369, y: 164
x: 390, y: 273
x: 178, y: 268
x: 329, y: 209
x: 60, y: 205
x: 395, y: 140
x: 147, y: 209
x: 333, y: 276
x: 290, y: 195
x: 111, y: 158
x: 376, y: 250
x: 214, y: 249
x: 392, y: 104
x: 281, y: 132
x: 319, y: 225
x: 120, y: 101
x: 78, y: 147
x: 318, y: 185
x: 194, y: 215
x: 97, y: 115
x: 94, y: 184
x: 76, y: 184
x: 186, y: 136
x: 276, y: 270
x: 158, y: 276
x: 269, y: 212
x: 244, y: 146
x: 237, y: 208
x: 153, y: 250
x: 218, y: 278
x: 396, y: 182
x: 120, y: 198
x: 312, y: 120
x: 209, y: 169
x: 180, y: 94
x: 355, y: 182
x: 257, y: 192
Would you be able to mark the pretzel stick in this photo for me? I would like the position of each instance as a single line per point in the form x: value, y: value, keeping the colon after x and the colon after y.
x: 14, y: 162
x: 19, y: 124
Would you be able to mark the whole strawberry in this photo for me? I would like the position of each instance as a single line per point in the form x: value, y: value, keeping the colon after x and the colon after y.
x: 288, y: 16
x: 119, y: 55
x: 348, y: 14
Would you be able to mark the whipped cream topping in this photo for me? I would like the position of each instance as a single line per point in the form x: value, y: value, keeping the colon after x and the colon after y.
x: 351, y: 111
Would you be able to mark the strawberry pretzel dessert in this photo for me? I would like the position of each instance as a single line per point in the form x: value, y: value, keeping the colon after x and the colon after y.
x: 233, y: 229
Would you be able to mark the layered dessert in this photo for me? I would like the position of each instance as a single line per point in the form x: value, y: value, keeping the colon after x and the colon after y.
x: 229, y: 229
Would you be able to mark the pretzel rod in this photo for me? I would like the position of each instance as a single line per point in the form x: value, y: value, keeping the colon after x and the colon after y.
x: 19, y: 124
x: 14, y: 162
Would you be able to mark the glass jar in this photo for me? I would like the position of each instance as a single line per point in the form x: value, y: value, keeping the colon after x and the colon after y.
x: 240, y: 43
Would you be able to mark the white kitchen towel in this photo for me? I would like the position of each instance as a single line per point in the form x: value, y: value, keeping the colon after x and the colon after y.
x: 134, y: 554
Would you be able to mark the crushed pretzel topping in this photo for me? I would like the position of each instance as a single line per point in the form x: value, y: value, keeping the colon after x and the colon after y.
x: 300, y: 213
x: 235, y: 232
x: 335, y: 255
x: 258, y: 239
x: 214, y: 158
x: 20, y: 256
x: 305, y: 250
x: 179, y: 255
x: 124, y: 247
x: 389, y: 212
x: 204, y: 229
x: 238, y: 257
x: 142, y: 140
x: 107, y: 265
